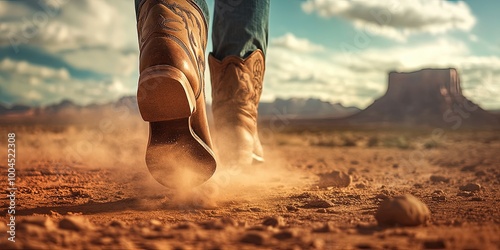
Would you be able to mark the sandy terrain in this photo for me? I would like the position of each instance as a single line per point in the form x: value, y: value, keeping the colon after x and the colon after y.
x: 87, y: 187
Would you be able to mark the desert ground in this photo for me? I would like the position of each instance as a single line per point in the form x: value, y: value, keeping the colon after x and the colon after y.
x: 84, y: 185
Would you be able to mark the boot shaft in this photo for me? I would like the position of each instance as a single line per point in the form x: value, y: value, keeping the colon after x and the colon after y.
x: 173, y: 33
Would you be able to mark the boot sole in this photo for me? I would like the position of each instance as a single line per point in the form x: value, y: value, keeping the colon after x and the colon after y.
x: 175, y: 155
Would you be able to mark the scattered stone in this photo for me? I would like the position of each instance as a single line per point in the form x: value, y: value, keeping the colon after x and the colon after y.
x: 471, y: 187
x: 277, y: 221
x: 360, y: 185
x: 327, y: 227
x: 117, y: 223
x: 228, y: 221
x: 354, y: 162
x: 318, y: 203
x: 469, y: 168
x: 465, y: 194
x: 405, y: 210
x: 75, y: 223
x: 291, y: 208
x: 32, y: 230
x: 318, y: 244
x: 477, y: 199
x: 255, y: 209
x: 351, y: 171
x: 438, y: 192
x: 395, y: 165
x: 439, y: 178
x: 41, y: 221
x: 239, y: 209
x: 253, y: 238
x: 335, y: 179
x: 438, y: 195
x: 439, y: 198
x: 155, y: 223
x: 219, y: 224
x: 480, y: 173
x: 285, y: 235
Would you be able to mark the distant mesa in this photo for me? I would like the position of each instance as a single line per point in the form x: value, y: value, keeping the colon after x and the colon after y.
x: 304, y: 108
x: 425, y: 97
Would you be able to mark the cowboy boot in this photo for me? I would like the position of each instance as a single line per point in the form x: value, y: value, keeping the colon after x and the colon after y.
x: 236, y: 90
x: 172, y: 39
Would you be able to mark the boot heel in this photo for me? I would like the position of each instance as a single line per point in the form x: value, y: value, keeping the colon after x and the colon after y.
x: 164, y: 94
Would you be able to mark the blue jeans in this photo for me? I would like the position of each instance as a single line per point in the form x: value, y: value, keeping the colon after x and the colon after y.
x: 239, y: 28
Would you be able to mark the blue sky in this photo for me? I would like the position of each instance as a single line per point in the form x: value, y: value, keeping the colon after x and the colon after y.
x: 336, y: 50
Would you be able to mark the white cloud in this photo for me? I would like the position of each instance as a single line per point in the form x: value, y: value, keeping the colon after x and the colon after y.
x: 292, y: 42
x: 397, y: 19
x: 89, y: 34
x: 40, y: 85
x: 25, y: 68
x: 292, y: 73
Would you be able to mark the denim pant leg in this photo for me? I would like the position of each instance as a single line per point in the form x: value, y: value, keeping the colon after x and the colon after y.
x: 201, y: 3
x: 240, y: 27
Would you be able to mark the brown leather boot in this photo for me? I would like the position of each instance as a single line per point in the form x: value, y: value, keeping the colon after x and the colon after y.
x: 236, y: 90
x: 172, y: 39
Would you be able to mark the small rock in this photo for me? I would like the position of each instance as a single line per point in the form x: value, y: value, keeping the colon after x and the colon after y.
x: 255, y: 209
x: 351, y: 171
x: 318, y: 244
x: 477, y: 199
x: 213, y: 225
x: 439, y: 178
x: 471, y: 187
x: 465, y: 194
x: 326, y: 228
x: 334, y: 179
x: 439, y: 198
x: 395, y: 165
x: 404, y: 210
x: 360, y: 185
x: 117, y: 223
x: 291, y: 208
x: 32, y: 231
x: 318, y: 203
x: 469, y: 168
x: 75, y: 223
x: 438, y: 192
x: 277, y: 221
x: 155, y: 223
x: 253, y: 238
x: 438, y: 195
x: 480, y: 173
x: 418, y: 185
x: 284, y: 235
x: 41, y: 221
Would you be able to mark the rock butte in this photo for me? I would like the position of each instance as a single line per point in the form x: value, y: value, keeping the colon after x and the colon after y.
x: 425, y: 97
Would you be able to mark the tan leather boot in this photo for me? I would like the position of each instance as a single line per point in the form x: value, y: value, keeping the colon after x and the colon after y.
x: 172, y: 39
x: 236, y: 90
